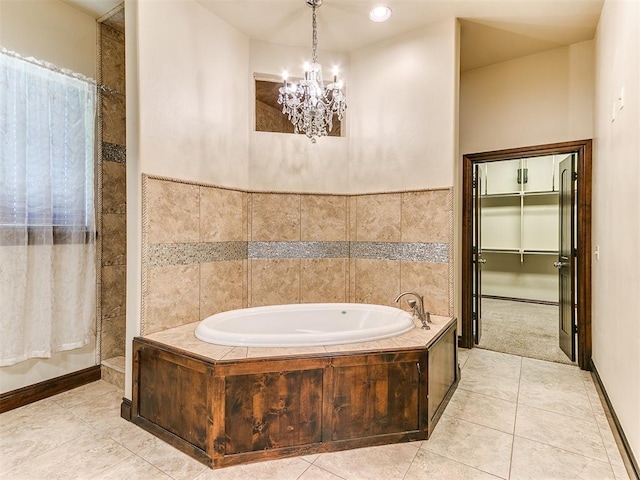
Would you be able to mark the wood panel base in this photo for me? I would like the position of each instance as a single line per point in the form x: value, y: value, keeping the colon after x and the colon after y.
x: 226, y: 413
x: 48, y: 388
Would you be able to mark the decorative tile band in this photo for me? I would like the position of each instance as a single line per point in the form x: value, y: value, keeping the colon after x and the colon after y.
x: 112, y: 152
x: 405, y: 252
x: 298, y: 249
x: 164, y: 254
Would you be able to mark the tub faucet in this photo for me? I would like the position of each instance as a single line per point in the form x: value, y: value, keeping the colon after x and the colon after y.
x: 417, y: 307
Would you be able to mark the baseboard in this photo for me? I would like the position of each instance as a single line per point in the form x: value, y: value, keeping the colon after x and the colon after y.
x: 629, y: 459
x: 523, y: 300
x: 125, y: 409
x: 48, y: 388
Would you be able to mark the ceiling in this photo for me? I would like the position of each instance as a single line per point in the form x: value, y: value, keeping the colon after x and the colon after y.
x: 492, y: 31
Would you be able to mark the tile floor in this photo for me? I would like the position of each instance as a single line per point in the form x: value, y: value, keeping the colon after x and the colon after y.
x: 511, y: 417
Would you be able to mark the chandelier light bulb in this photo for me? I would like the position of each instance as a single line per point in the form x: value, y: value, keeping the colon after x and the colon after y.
x: 335, y: 70
x: 285, y: 75
x: 380, y: 14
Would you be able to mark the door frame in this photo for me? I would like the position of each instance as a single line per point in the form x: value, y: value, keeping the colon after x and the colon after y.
x: 583, y: 231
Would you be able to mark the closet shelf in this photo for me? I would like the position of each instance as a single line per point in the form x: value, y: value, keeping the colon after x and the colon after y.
x: 517, y: 251
x: 521, y: 194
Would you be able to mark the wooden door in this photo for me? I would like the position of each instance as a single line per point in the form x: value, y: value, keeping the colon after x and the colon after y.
x: 566, y: 262
x: 476, y: 312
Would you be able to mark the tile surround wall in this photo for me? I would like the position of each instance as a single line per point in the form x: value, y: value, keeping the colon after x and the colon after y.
x: 112, y: 188
x: 208, y: 249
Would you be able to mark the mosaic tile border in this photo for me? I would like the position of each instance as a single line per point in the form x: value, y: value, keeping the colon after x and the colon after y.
x: 163, y: 254
x: 112, y: 152
x: 405, y: 252
x: 266, y: 250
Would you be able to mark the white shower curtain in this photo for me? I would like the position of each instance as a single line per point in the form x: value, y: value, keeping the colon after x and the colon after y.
x: 47, y: 224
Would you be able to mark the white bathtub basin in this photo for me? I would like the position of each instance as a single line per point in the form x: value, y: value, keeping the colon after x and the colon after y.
x: 304, y: 324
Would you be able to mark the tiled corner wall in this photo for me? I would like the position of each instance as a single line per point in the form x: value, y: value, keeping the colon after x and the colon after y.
x: 112, y: 187
x: 194, y: 252
x: 209, y: 249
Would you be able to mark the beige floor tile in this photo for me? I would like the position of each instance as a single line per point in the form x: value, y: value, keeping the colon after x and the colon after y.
x: 84, y: 393
x: 536, y: 461
x: 309, y: 458
x: 609, y: 442
x: 428, y: 465
x: 285, y: 469
x: 550, y: 372
x: 483, y: 410
x: 594, y: 399
x: 493, y: 363
x: 568, y: 399
x: 34, y: 429
x: 128, y: 435
x: 489, y: 384
x: 316, y: 473
x: 171, y: 461
x: 569, y: 433
x: 463, y: 356
x: 133, y: 468
x: 620, y: 472
x: 98, y: 410
x: 24, y: 415
x: 473, y: 445
x: 83, y: 458
x: 389, y: 462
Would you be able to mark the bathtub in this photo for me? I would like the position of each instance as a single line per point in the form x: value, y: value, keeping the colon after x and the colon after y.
x: 305, y: 324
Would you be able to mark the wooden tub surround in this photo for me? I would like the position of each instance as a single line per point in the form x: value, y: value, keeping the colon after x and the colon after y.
x: 231, y: 405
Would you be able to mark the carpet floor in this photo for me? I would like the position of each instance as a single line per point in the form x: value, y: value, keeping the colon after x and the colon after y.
x: 525, y: 329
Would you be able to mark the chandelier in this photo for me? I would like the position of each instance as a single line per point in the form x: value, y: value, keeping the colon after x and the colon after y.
x: 310, y: 104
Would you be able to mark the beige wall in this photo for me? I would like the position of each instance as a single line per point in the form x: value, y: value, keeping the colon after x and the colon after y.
x: 402, y: 111
x: 50, y: 31
x: 538, y: 99
x: 616, y: 213
x: 193, y: 103
x: 54, y: 32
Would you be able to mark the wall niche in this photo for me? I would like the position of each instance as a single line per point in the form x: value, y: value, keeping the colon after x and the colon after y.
x: 269, y: 116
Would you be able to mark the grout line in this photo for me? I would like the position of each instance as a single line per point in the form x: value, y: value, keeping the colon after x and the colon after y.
x: 411, y: 462
x: 515, y: 420
x: 563, y: 449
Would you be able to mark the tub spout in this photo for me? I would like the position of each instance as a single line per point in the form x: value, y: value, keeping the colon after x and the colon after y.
x: 417, y: 306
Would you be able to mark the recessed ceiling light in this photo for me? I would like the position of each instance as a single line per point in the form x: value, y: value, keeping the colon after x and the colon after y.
x: 380, y: 14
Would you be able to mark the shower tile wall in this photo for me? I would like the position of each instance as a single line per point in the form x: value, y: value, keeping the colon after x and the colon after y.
x: 112, y: 187
x: 210, y: 249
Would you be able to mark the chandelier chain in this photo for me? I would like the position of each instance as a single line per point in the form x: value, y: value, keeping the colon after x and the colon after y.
x: 314, y: 38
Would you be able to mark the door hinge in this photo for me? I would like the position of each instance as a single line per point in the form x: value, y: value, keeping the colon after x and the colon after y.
x: 575, y: 175
x: 575, y: 252
x: 474, y: 181
x: 575, y: 329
